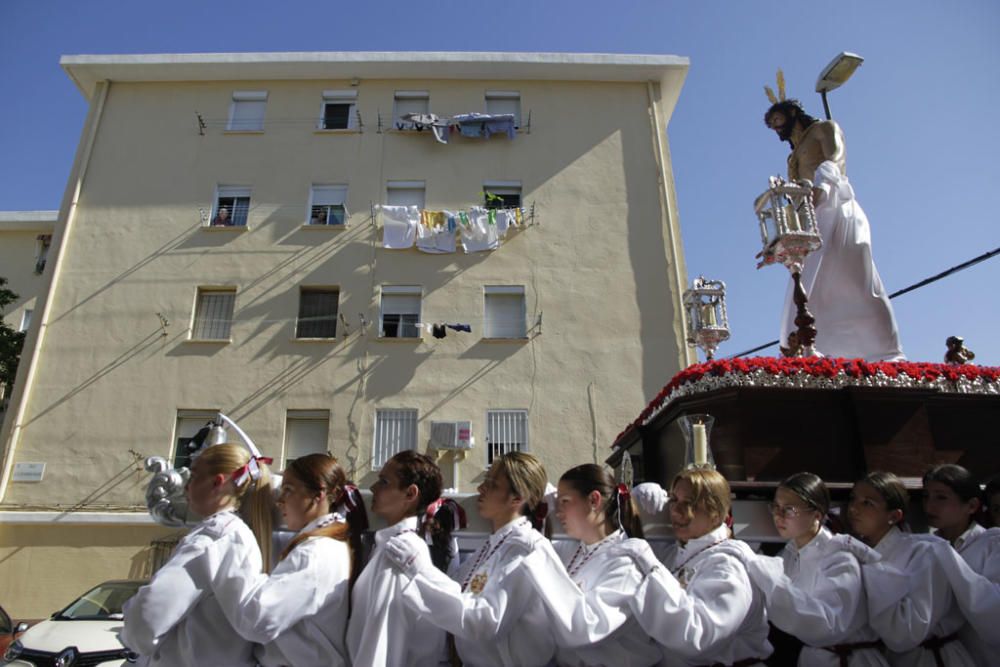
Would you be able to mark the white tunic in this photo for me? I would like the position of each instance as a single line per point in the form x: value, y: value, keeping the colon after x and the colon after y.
x: 716, y: 616
x: 298, y: 615
x: 498, y: 619
x: 175, y: 619
x: 854, y: 317
x: 928, y: 610
x: 588, y: 605
x: 816, y: 594
x: 383, y: 631
x: 980, y: 548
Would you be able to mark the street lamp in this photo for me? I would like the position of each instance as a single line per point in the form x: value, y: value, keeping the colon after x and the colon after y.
x: 835, y: 74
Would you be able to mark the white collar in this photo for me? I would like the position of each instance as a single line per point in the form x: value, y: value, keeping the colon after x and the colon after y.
x: 519, y: 523
x: 970, y: 534
x: 815, y: 545
x: 889, y: 540
x: 319, y: 522
x: 614, y: 537
x: 711, y: 537
x: 409, y: 524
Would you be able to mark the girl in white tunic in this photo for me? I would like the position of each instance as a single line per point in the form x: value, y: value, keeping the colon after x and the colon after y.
x: 491, y: 607
x: 700, y: 604
x: 921, y: 628
x: 587, y: 594
x: 952, y: 498
x: 175, y: 619
x: 814, y: 589
x: 298, y: 614
x: 383, y: 631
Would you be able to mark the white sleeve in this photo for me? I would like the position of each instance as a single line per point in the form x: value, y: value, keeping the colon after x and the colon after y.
x: 580, y: 618
x: 820, y: 616
x: 172, y: 592
x: 977, y: 596
x: 908, y: 621
x: 695, y: 620
x: 483, y: 617
x: 262, y: 607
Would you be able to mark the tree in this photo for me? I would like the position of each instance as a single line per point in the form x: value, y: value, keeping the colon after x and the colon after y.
x: 11, y: 340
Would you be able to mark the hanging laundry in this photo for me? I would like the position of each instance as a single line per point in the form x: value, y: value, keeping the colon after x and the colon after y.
x: 506, y: 218
x: 500, y: 124
x: 484, y: 124
x: 399, y: 226
x: 441, y: 127
x: 460, y: 327
x: 479, y: 235
x: 438, y: 331
x: 433, y: 235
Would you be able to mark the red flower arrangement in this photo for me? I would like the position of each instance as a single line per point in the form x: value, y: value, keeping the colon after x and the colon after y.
x: 941, y: 376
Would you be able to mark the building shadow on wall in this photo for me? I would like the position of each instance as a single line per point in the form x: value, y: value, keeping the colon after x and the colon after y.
x: 126, y: 356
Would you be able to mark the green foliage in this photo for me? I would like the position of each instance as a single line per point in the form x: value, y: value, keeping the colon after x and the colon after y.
x: 11, y: 340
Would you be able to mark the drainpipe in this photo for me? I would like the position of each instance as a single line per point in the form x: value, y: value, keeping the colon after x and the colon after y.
x: 658, y: 137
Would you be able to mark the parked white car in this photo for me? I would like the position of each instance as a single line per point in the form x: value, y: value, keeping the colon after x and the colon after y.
x: 84, y: 634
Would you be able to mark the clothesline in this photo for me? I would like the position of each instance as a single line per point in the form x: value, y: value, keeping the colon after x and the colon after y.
x: 435, y: 232
x: 467, y: 124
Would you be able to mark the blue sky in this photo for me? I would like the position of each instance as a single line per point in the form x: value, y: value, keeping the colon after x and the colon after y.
x: 920, y: 115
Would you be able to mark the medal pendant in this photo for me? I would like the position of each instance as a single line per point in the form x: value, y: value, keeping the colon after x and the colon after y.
x: 478, y: 583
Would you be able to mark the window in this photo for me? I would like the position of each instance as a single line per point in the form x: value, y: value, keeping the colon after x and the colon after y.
x: 338, y: 111
x: 213, y: 314
x: 506, y: 431
x: 306, y: 432
x: 504, y: 312
x: 504, y: 101
x: 395, y: 431
x: 405, y: 193
x: 400, y: 311
x: 232, y: 206
x: 246, y: 113
x: 502, y: 194
x: 26, y: 319
x: 43, y: 241
x: 189, y: 422
x: 409, y: 101
x: 317, y: 313
x: 327, y: 205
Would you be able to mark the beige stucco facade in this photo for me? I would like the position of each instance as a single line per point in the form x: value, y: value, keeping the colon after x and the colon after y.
x: 601, y: 269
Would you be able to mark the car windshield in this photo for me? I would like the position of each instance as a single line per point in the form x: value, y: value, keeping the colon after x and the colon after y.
x: 101, y: 603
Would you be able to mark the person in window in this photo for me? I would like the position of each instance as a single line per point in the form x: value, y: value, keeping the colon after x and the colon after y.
x: 222, y: 218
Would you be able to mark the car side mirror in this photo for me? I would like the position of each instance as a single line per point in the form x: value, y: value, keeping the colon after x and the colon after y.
x: 20, y: 627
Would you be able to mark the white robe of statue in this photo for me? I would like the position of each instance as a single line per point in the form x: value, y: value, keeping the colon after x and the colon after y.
x: 853, y: 315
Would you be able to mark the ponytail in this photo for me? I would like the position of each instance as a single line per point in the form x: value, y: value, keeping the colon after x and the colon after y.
x: 321, y: 473
x: 617, y: 504
x: 441, y: 519
x: 252, y: 490
x: 257, y: 504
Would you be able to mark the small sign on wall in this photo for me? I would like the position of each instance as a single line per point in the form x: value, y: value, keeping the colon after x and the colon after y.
x: 28, y: 472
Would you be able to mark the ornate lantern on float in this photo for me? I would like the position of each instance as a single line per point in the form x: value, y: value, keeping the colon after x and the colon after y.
x: 705, y: 310
x: 789, y: 233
